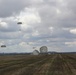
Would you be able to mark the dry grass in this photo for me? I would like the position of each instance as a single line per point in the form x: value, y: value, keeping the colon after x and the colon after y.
x: 55, y: 64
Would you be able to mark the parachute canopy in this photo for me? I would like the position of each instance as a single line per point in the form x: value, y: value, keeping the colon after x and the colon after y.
x: 34, y: 47
x: 3, y: 45
x: 19, y: 23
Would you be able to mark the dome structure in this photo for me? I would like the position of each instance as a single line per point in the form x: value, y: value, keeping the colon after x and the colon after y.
x: 35, y: 52
x: 43, y: 49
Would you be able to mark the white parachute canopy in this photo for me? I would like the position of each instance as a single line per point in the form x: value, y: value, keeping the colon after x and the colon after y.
x: 43, y: 49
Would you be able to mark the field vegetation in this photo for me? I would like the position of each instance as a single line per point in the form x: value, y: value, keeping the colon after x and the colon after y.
x: 54, y: 64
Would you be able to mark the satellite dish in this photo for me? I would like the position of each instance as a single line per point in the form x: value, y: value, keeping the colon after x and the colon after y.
x: 43, y: 49
x: 3, y: 46
x: 19, y: 23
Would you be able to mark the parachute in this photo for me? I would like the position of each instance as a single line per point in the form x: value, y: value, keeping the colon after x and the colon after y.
x: 3, y: 46
x: 19, y: 23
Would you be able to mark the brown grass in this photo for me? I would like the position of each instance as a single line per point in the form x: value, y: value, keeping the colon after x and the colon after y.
x: 55, y: 64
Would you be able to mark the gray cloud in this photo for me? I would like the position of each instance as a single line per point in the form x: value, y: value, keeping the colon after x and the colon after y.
x: 45, y: 22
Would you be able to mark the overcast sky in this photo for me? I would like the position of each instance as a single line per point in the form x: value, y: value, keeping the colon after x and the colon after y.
x: 50, y: 23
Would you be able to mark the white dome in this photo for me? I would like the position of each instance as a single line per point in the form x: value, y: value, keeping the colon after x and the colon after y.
x: 35, y: 52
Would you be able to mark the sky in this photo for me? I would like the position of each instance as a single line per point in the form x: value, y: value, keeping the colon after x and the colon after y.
x: 50, y: 23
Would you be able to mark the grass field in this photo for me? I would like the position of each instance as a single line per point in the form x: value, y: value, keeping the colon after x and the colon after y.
x: 55, y: 64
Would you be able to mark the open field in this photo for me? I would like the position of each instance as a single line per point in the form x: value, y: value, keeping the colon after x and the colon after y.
x: 54, y: 64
